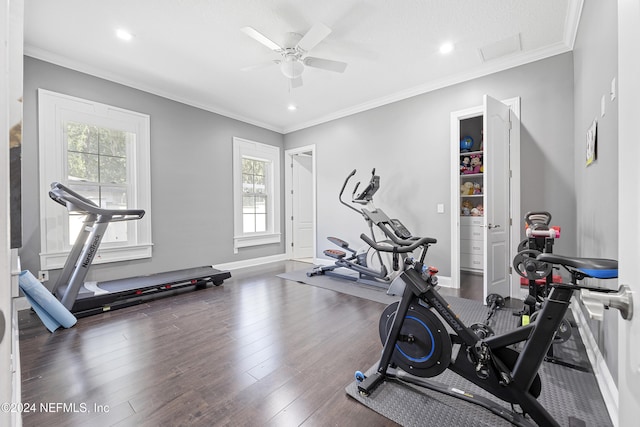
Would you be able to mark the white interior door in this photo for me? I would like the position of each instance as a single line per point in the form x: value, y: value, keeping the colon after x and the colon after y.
x: 302, y: 205
x: 496, y: 127
x: 628, y: 208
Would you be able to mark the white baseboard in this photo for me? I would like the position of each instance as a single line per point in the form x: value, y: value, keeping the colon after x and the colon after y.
x: 445, y: 282
x: 21, y: 303
x: 604, y: 379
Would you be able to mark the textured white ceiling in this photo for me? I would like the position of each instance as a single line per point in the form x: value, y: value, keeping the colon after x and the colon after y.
x: 193, y: 50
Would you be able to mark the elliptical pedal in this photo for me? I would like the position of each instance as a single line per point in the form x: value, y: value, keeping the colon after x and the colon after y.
x: 335, y: 253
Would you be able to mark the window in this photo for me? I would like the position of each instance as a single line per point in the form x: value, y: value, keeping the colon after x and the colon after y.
x: 256, y: 193
x: 102, y: 152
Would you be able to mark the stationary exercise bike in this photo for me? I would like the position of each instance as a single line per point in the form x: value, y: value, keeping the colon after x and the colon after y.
x: 417, y: 345
x: 362, y: 261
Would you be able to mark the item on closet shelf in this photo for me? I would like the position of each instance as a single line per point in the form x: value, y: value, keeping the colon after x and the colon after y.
x: 466, y: 208
x: 465, y: 165
x: 466, y: 189
x: 477, y: 211
x: 477, y: 188
x: 466, y: 143
x: 476, y: 163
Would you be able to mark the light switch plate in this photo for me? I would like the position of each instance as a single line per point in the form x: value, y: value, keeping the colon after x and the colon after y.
x: 613, y: 89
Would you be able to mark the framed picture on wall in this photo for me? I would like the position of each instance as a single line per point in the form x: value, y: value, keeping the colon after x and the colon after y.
x: 592, y: 142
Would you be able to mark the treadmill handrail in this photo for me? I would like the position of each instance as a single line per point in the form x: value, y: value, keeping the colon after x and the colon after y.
x: 78, y: 203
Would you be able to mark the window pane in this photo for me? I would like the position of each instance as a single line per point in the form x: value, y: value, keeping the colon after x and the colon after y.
x: 259, y: 168
x: 249, y: 223
x: 247, y: 166
x: 82, y: 167
x: 113, y: 142
x: 113, y: 198
x: 248, y: 205
x: 247, y: 183
x: 82, y: 137
x: 113, y: 170
x: 261, y: 204
x: 261, y: 223
x: 259, y: 184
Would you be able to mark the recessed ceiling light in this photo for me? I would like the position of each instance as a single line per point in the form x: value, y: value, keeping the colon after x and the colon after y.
x: 124, y: 34
x: 292, y: 107
x: 446, y: 48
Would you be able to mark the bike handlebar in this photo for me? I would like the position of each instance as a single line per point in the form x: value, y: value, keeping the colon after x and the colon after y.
x: 402, y: 246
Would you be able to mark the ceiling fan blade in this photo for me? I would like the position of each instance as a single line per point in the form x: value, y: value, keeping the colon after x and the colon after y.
x: 294, y: 83
x: 315, y: 35
x: 261, y: 38
x: 259, y: 66
x: 325, y: 64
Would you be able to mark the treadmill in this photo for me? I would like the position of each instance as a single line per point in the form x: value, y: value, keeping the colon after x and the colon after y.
x: 87, y: 298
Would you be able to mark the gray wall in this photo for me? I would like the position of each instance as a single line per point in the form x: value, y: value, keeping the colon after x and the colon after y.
x: 595, y: 65
x: 408, y: 142
x: 191, y: 152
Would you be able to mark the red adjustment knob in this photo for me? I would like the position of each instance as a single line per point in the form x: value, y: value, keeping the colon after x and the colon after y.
x: 432, y: 270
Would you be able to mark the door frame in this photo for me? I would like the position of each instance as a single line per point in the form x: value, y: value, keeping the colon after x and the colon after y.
x: 514, y: 189
x: 289, y: 200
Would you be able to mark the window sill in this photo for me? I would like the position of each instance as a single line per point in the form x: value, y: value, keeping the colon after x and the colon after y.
x: 51, y: 261
x: 255, y: 240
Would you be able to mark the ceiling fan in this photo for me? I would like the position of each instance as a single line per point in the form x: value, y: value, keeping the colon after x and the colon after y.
x: 294, y: 52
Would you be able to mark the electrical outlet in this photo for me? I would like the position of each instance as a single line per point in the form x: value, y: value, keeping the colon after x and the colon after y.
x: 43, y: 276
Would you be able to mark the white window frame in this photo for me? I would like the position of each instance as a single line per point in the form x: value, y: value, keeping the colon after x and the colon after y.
x: 55, y: 109
x: 244, y: 148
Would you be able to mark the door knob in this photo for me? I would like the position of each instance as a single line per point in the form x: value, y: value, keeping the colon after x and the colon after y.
x: 490, y: 226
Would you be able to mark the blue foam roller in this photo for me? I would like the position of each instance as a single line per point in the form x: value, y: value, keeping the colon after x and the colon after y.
x: 51, y: 311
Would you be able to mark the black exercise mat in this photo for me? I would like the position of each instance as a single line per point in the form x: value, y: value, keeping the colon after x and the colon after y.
x: 566, y: 392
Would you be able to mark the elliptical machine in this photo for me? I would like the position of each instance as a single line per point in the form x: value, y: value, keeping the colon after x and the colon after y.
x: 361, y: 260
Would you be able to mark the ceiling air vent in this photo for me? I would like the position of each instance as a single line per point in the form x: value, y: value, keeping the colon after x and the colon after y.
x: 501, y: 48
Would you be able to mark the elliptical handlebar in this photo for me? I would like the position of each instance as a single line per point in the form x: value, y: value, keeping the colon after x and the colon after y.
x: 402, y: 246
x: 346, y: 181
x: 78, y: 203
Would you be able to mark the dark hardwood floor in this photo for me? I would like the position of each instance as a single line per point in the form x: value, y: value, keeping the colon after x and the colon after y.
x: 258, y: 350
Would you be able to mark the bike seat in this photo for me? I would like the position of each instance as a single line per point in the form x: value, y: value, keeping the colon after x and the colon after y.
x: 599, y: 268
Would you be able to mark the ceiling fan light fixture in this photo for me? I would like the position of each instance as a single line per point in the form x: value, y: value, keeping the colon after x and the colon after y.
x: 291, y: 67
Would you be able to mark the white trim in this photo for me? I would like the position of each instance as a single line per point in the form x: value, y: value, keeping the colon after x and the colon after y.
x: 288, y: 187
x: 52, y: 109
x: 256, y: 239
x: 54, y: 260
x: 271, y: 154
x: 605, y: 381
x: 491, y: 67
x: 514, y: 191
x: 574, y: 12
x: 572, y: 20
x: 456, y: 117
